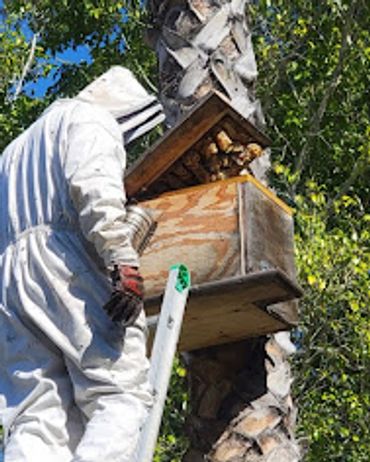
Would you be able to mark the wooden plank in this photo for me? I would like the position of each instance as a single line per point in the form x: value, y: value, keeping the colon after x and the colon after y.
x: 232, y: 309
x: 241, y: 321
x: 198, y: 228
x: 176, y: 141
x: 266, y: 191
x: 246, y: 178
x: 268, y: 235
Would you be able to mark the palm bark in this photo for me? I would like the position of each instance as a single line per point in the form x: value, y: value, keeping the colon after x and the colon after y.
x: 240, y: 393
x: 203, y: 45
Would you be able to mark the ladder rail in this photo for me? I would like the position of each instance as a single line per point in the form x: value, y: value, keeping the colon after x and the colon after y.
x: 163, y: 353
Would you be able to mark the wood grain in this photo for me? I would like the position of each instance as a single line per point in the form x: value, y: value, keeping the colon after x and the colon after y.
x: 226, y: 321
x: 198, y: 228
x: 237, y: 242
x: 268, y: 235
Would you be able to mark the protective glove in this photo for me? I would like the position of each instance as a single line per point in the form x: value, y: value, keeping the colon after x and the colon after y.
x: 126, y: 301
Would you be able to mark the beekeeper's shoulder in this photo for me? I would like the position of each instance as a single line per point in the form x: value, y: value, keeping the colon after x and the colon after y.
x: 79, y: 113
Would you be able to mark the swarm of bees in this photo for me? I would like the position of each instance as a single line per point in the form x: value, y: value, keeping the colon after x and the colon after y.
x: 217, y: 157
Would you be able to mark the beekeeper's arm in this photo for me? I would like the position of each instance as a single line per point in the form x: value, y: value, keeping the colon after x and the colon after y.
x: 94, y: 166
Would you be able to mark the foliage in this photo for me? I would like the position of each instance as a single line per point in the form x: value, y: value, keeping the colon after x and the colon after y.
x: 314, y: 65
x: 334, y: 355
x: 172, y: 442
x: 314, y: 86
x: 14, y: 48
x: 314, y: 83
x: 105, y: 29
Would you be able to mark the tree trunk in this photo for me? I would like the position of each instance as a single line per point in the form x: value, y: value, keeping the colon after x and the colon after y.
x: 240, y: 392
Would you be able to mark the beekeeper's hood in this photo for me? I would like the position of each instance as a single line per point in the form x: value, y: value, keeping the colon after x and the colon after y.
x: 118, y: 91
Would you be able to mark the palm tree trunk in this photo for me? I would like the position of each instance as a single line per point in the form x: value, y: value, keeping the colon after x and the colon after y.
x: 240, y: 392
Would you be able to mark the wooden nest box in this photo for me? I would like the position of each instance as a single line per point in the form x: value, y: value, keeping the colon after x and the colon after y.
x: 234, y: 234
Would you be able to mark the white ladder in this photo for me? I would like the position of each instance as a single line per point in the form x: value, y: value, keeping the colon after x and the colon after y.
x: 167, y: 334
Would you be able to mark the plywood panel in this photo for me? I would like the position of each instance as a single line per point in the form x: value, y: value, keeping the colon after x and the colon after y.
x: 198, y: 228
x: 241, y: 321
x: 232, y: 309
x: 268, y: 232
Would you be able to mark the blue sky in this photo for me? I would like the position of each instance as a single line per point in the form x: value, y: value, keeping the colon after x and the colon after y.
x: 80, y: 54
x: 69, y: 56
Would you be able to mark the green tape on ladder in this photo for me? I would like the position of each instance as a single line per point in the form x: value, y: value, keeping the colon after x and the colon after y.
x: 183, y: 277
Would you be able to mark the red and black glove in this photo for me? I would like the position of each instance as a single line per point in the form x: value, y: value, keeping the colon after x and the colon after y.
x: 126, y: 301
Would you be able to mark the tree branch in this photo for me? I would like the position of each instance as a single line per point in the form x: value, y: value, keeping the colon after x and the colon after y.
x: 316, y: 119
x: 26, y: 68
x: 361, y: 166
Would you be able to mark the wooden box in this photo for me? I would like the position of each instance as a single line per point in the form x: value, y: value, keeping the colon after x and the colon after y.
x: 235, y: 235
x: 236, y: 238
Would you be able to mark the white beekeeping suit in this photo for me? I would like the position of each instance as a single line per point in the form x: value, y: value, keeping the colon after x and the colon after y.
x: 74, y: 384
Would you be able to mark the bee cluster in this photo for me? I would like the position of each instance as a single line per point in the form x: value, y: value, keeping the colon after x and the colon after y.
x: 222, y: 154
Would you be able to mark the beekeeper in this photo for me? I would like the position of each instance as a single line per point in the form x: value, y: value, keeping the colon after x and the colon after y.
x: 73, y: 367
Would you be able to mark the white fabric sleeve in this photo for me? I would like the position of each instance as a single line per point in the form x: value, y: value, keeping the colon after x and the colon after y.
x: 94, y: 167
